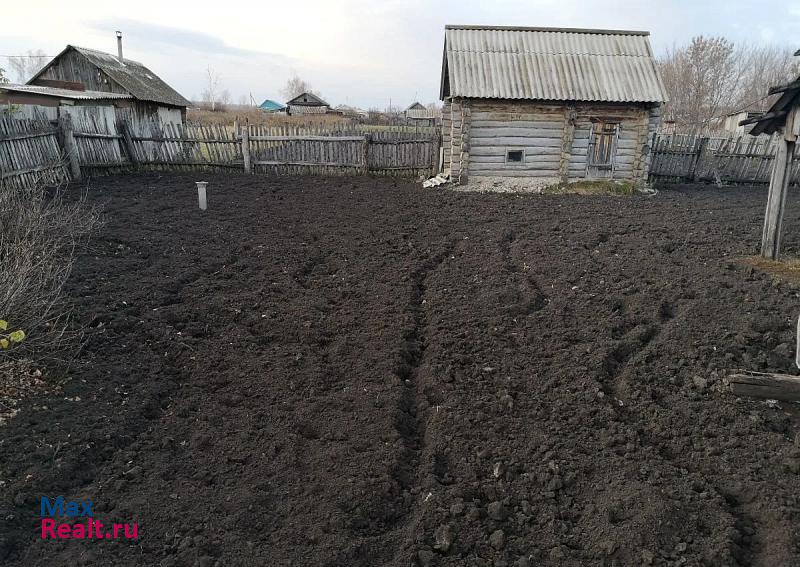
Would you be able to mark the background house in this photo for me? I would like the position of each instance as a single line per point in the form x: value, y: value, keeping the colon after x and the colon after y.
x: 550, y: 105
x: 417, y: 113
x: 271, y: 106
x: 78, y: 68
x: 307, y: 103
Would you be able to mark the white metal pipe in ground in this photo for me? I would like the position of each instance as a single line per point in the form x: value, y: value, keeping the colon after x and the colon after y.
x: 201, y: 194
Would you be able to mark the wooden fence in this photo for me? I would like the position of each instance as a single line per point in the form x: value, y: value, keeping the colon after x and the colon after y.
x: 736, y: 159
x: 29, y: 153
x: 90, y: 141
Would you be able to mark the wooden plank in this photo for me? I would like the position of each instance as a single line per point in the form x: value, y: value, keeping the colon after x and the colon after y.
x: 766, y: 386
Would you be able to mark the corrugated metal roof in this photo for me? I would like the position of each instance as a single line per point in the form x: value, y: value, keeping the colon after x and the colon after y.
x: 64, y: 93
x: 550, y: 64
x: 131, y: 75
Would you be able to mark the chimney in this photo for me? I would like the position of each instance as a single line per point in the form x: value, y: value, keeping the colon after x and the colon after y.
x: 119, y: 47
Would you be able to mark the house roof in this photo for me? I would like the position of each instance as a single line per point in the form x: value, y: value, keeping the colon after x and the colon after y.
x: 131, y: 75
x: 271, y: 105
x: 775, y: 118
x: 307, y: 99
x: 416, y: 106
x: 549, y: 64
x: 63, y: 93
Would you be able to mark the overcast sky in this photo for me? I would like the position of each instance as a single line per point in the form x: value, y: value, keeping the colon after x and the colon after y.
x: 355, y: 52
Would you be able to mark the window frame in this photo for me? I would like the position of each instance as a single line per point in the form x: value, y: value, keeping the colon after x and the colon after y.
x: 514, y: 162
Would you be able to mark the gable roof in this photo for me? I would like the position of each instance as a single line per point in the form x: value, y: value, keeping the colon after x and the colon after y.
x: 271, y: 105
x: 131, y: 75
x: 549, y: 64
x: 307, y: 99
x: 416, y: 106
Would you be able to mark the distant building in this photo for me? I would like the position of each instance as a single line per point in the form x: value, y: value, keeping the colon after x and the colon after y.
x: 548, y: 105
x: 271, y: 106
x: 731, y: 123
x: 88, y: 70
x: 307, y: 103
x: 418, y: 113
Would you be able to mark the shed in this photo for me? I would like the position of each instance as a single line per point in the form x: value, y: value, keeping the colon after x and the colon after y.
x: 271, y: 106
x: 550, y: 105
x: 91, y: 70
x: 417, y: 112
x: 49, y: 102
x: 307, y: 103
x: 732, y: 120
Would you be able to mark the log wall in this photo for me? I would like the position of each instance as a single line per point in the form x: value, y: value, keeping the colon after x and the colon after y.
x: 554, y: 138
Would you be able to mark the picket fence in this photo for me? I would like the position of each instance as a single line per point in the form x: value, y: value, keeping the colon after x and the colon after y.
x: 89, y: 141
x: 693, y: 158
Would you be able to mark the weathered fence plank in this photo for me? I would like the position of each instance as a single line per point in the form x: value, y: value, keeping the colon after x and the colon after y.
x: 744, y: 159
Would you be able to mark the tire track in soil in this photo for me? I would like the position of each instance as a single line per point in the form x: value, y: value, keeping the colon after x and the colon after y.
x: 409, y: 422
x: 635, y: 339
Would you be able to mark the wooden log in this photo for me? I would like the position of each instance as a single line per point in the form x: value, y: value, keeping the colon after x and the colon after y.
x: 68, y: 145
x: 776, y: 200
x: 766, y: 386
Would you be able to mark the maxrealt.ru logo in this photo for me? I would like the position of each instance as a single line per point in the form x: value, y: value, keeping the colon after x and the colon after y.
x: 73, y: 519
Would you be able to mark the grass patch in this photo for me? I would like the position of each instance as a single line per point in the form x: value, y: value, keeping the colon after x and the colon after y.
x: 603, y: 187
x: 785, y: 270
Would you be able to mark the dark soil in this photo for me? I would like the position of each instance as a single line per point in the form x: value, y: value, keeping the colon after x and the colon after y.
x: 360, y: 372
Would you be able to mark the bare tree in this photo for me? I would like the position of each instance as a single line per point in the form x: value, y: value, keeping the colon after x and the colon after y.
x: 762, y: 68
x: 296, y: 86
x: 701, y: 80
x: 243, y: 100
x: 211, y: 93
x: 711, y: 77
x: 3, y: 78
x: 27, y: 66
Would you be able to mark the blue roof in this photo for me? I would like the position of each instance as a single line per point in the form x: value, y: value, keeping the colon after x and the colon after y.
x: 271, y: 105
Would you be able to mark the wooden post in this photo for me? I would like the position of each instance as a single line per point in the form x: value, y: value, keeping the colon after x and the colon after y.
x: 701, y: 146
x: 776, y: 201
x: 246, y: 146
x: 365, y: 152
x: 127, y: 141
x: 68, y: 145
x: 567, y: 138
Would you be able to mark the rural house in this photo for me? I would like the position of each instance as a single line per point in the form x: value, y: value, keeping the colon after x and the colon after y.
x: 271, y: 106
x: 307, y: 103
x: 548, y: 105
x: 81, y: 69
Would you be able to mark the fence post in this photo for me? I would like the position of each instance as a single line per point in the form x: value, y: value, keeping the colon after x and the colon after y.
x: 365, y: 152
x: 67, y: 137
x: 127, y: 141
x: 693, y: 173
x: 246, y: 146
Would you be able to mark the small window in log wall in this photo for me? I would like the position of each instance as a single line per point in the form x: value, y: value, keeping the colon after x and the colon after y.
x: 514, y: 156
x: 603, y: 144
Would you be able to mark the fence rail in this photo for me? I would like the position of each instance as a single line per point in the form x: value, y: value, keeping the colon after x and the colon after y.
x: 742, y: 159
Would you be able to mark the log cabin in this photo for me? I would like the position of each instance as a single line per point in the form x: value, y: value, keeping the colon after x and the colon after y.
x: 81, y: 69
x: 548, y: 105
